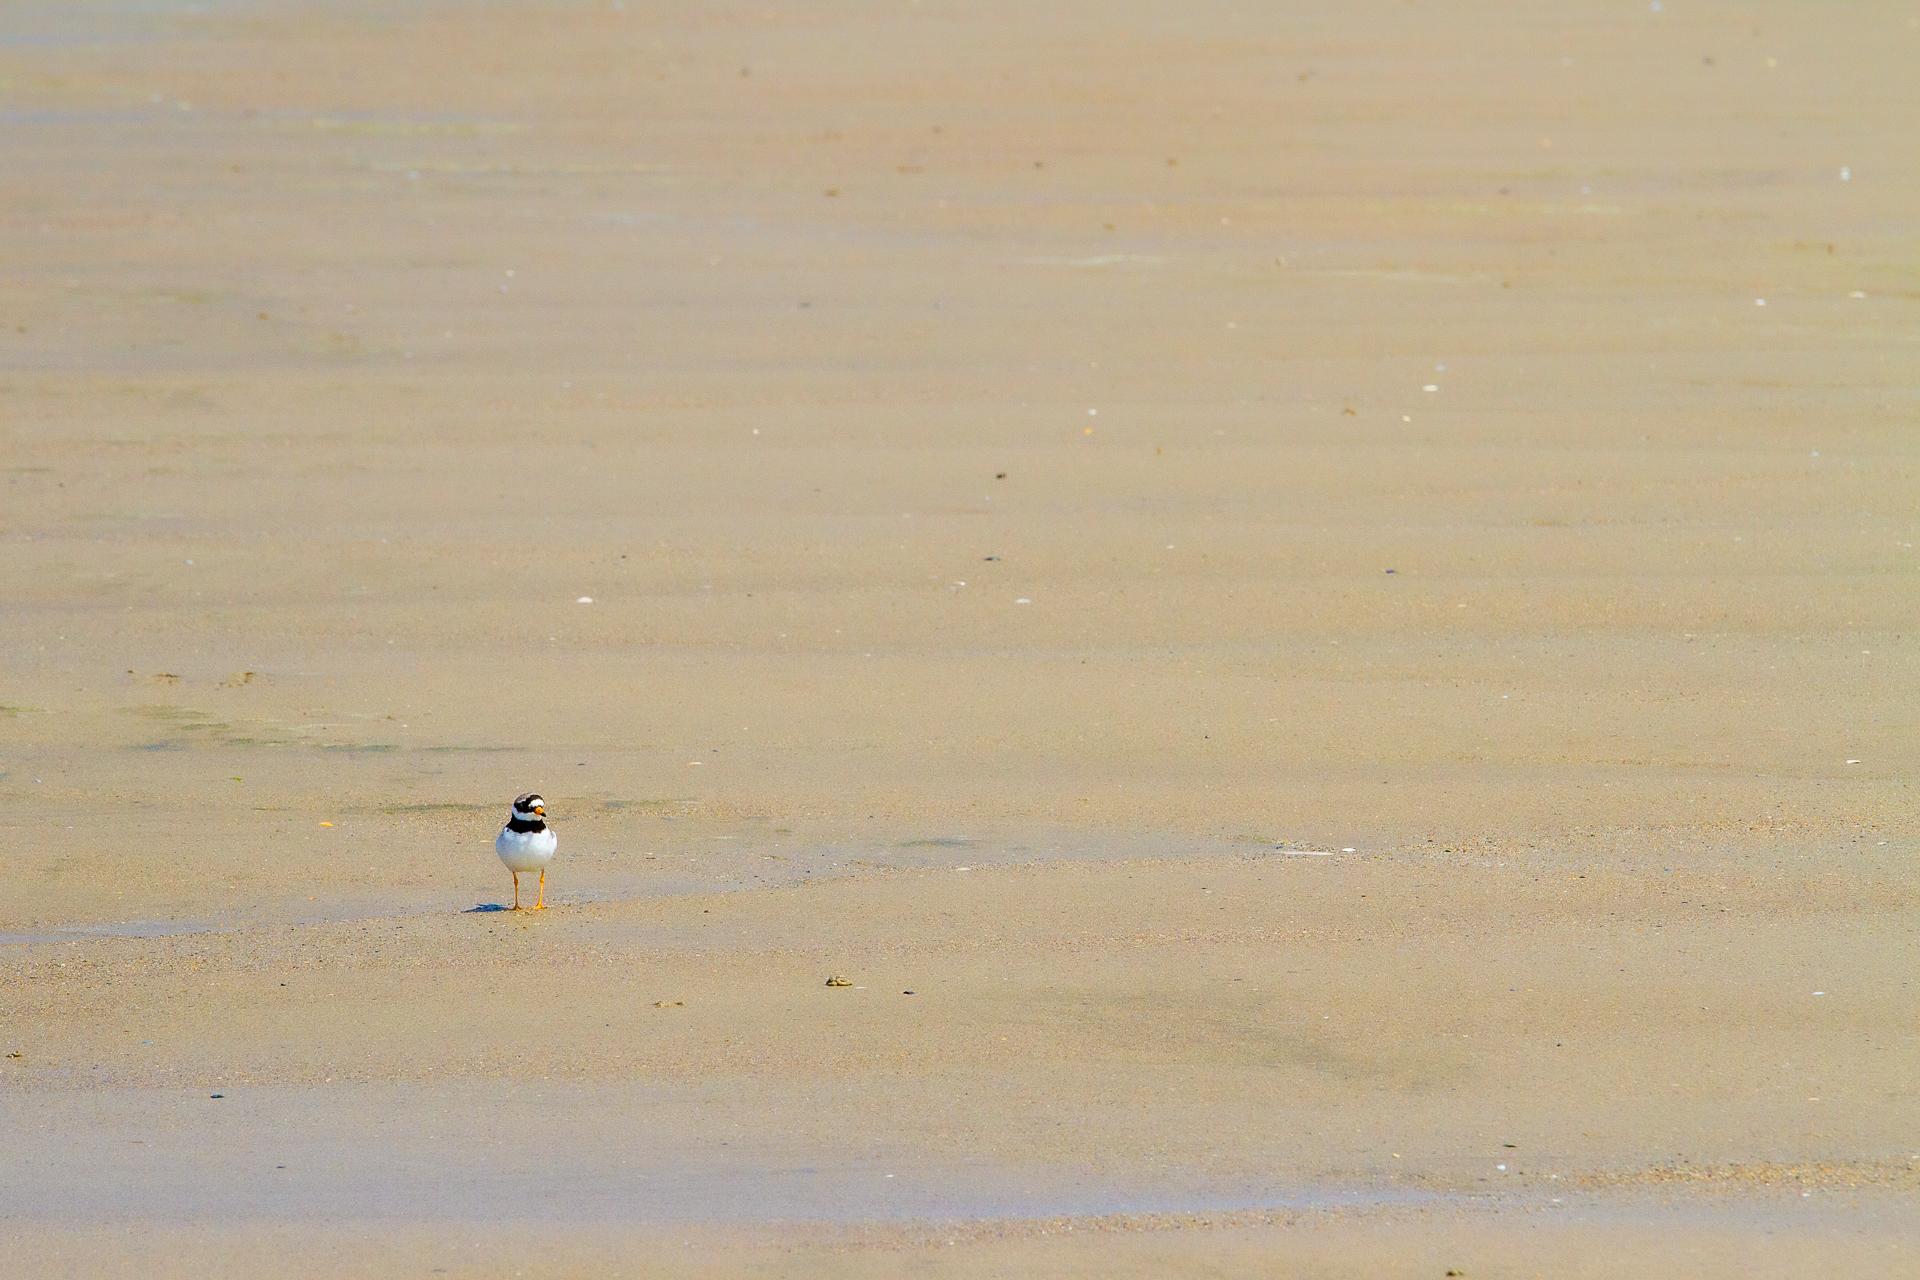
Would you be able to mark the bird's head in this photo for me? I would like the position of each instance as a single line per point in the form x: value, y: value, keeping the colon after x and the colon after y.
x: 529, y: 806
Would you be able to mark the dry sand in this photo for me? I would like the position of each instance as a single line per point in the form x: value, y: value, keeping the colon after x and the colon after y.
x: 1041, y: 475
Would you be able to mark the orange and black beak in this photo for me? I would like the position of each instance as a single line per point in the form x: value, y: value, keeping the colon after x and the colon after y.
x: 540, y: 810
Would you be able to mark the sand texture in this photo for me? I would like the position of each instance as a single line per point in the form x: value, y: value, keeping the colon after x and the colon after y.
x: 1314, y: 604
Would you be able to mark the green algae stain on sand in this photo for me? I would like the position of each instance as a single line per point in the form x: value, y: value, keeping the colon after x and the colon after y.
x: 396, y: 810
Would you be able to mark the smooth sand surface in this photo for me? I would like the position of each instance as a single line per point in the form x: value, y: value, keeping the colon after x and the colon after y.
x: 1329, y: 588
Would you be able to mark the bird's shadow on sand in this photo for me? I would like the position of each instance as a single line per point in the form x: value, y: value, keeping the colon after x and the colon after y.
x: 485, y: 906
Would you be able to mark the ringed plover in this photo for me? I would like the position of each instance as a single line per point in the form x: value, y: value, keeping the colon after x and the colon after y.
x: 527, y: 844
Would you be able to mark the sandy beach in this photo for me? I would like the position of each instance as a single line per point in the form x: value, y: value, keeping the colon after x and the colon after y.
x: 1314, y: 604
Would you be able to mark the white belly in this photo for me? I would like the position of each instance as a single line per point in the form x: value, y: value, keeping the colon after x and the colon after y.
x: 525, y: 850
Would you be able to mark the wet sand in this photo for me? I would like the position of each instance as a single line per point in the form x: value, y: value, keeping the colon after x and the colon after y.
x: 1330, y: 590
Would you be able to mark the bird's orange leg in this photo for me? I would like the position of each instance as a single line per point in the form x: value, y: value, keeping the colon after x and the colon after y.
x: 516, y: 891
x: 541, y: 905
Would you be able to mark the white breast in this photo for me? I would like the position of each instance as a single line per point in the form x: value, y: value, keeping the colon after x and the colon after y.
x: 525, y: 850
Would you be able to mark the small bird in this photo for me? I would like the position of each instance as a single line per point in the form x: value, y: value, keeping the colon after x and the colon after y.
x: 525, y: 844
